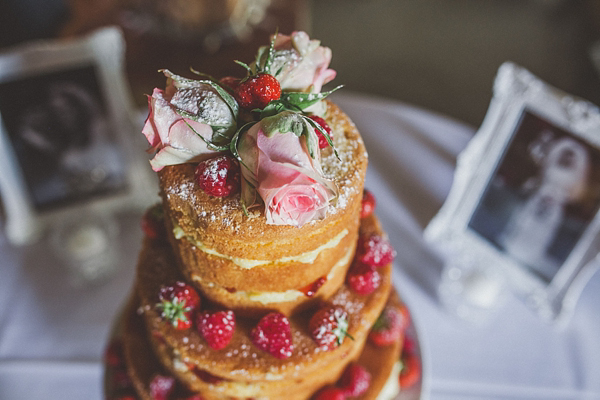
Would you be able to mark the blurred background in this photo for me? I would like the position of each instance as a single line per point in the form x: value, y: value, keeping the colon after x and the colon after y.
x: 441, y: 55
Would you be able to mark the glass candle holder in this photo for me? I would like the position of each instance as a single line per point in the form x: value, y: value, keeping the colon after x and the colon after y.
x: 87, y: 244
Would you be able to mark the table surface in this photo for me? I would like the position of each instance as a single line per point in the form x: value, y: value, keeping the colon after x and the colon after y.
x: 52, y: 334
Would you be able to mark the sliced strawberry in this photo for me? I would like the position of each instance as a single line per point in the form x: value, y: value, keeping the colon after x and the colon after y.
x: 311, y: 289
x: 177, y: 304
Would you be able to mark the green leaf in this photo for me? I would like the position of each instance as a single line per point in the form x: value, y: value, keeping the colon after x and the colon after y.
x: 304, y: 100
x: 267, y: 65
x: 318, y: 127
x: 211, y: 145
x: 243, y: 64
x: 235, y: 139
x: 202, y: 74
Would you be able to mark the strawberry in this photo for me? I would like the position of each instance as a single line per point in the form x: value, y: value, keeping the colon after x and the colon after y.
x: 120, y: 379
x: 330, y: 393
x: 329, y: 326
x: 230, y: 83
x: 153, y: 222
x: 113, y: 355
x: 273, y: 335
x: 125, y: 397
x: 363, y: 279
x: 219, y: 176
x: 411, y: 369
x: 216, y: 328
x: 322, y: 140
x: 161, y: 387
x: 389, y: 327
x: 368, y: 204
x: 355, y: 380
x: 177, y: 304
x: 375, y: 251
x: 256, y: 91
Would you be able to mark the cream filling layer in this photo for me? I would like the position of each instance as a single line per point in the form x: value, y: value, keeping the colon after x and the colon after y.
x: 246, y: 263
x: 392, y: 386
x: 288, y: 295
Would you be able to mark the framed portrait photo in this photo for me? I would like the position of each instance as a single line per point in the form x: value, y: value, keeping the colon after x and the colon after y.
x: 526, y: 193
x: 67, y: 133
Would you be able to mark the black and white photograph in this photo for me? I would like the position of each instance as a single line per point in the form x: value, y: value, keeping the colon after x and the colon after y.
x: 542, y: 196
x: 58, y: 126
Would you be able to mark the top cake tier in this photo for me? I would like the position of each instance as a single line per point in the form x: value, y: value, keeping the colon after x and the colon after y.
x: 261, y: 178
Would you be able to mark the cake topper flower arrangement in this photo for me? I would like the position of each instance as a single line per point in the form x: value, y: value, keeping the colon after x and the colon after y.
x: 269, y: 125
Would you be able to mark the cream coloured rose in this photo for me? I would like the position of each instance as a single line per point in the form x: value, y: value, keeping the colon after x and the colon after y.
x: 188, y: 122
x: 281, y: 163
x: 301, y: 64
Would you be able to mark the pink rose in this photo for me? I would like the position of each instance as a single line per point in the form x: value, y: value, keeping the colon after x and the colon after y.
x: 305, y: 63
x: 275, y: 155
x: 180, y: 122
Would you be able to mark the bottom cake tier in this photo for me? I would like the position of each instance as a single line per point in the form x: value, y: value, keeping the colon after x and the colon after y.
x: 131, y: 377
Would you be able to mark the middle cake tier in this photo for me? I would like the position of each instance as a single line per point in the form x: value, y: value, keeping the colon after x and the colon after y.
x: 187, y: 355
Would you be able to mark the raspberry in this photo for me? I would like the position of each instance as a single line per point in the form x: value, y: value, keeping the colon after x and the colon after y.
x: 177, y: 303
x: 329, y: 326
x: 257, y: 91
x: 216, y: 328
x: 355, y: 380
x: 152, y: 222
x: 375, y: 251
x: 322, y: 140
x: 368, y: 204
x: 273, y: 335
x: 230, y: 83
x: 363, y: 279
x: 389, y: 327
x: 330, y: 393
x: 161, y: 387
x: 219, y: 176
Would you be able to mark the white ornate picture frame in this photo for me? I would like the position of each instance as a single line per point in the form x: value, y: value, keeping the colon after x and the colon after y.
x: 526, y: 193
x: 67, y: 133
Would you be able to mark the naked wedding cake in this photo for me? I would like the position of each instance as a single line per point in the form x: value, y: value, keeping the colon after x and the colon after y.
x: 264, y: 272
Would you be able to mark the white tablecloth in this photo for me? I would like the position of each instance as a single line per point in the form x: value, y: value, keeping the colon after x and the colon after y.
x: 52, y: 335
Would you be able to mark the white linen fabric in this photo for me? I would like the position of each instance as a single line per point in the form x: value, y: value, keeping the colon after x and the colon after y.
x: 52, y: 335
